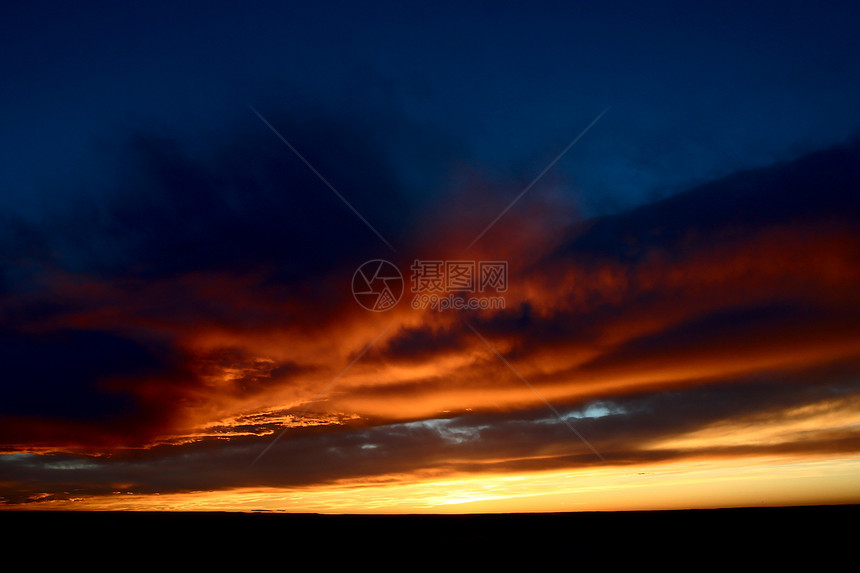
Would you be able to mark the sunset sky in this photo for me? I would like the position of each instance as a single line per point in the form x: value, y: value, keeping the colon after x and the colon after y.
x: 188, y: 192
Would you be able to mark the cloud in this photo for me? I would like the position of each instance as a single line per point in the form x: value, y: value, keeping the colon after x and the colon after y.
x: 627, y: 430
x: 183, y: 319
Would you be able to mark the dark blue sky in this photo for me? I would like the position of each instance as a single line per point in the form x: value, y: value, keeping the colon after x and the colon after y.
x: 697, y: 90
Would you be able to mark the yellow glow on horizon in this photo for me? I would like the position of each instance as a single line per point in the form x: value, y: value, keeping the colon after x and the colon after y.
x: 705, y: 483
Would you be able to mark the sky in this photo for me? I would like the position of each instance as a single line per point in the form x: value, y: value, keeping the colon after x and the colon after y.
x: 234, y: 240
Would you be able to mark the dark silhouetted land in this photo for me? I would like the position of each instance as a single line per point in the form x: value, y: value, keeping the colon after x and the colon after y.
x: 766, y: 536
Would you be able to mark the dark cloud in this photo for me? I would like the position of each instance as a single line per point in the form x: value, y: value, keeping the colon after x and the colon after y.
x: 421, y: 343
x: 67, y: 374
x: 249, y: 203
x: 816, y: 188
